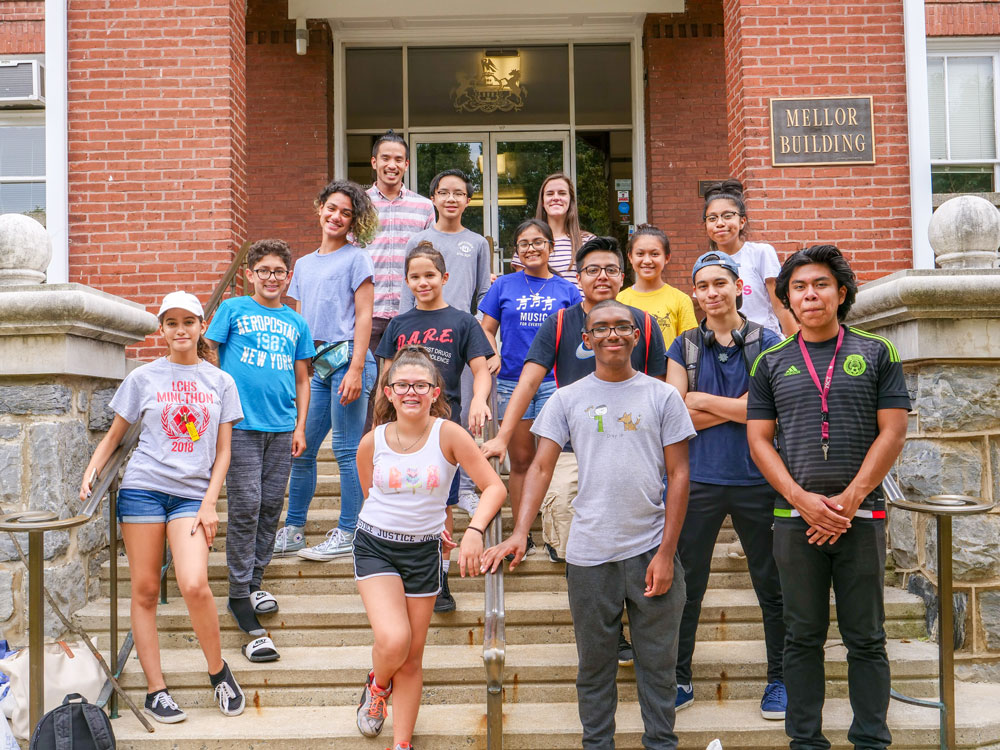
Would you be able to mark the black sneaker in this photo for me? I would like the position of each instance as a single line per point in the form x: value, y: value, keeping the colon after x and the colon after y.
x: 553, y: 555
x: 529, y: 549
x: 161, y: 707
x: 445, y: 602
x: 228, y: 693
x: 625, y: 653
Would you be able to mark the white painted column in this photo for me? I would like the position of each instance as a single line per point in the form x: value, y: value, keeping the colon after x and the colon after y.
x: 919, y: 130
x: 56, y: 140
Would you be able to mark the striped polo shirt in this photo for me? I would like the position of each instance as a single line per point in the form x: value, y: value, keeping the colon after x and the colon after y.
x: 867, y: 376
x: 398, y: 220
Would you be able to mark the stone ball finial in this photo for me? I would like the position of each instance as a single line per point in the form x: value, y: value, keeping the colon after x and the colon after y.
x: 25, y: 250
x: 965, y: 233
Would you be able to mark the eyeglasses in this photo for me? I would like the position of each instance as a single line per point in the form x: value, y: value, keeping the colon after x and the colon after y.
x: 421, y: 388
x: 539, y: 243
x: 725, y: 216
x: 602, y: 332
x: 268, y: 273
x: 594, y: 271
x: 445, y: 194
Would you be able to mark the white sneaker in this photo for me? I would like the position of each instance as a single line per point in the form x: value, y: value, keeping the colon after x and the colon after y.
x: 289, y: 540
x: 336, y: 544
x: 469, y: 502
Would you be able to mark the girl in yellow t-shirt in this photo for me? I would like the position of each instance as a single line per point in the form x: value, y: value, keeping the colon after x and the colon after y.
x: 648, y: 252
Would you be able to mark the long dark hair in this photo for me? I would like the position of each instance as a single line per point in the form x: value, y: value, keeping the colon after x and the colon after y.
x: 649, y: 230
x: 732, y: 191
x: 383, y: 411
x: 546, y: 231
x: 832, y: 258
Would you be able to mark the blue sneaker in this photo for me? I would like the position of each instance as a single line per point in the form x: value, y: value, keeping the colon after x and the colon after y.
x: 685, y: 697
x: 774, y: 702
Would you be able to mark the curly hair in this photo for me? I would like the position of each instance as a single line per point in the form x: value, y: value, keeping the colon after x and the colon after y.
x: 262, y: 248
x: 364, y: 224
x: 383, y: 411
x: 829, y: 256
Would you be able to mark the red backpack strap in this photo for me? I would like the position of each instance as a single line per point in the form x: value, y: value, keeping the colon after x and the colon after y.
x: 649, y: 331
x: 559, y: 324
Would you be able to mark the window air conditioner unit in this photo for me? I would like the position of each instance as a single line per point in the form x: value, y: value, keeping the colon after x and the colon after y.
x: 22, y: 84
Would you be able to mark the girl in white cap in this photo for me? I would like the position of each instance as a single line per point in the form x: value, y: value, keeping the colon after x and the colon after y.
x: 187, y: 407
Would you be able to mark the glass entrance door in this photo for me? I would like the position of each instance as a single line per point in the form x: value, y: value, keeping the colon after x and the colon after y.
x: 506, y: 170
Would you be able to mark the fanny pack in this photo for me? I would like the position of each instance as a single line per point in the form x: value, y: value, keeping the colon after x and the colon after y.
x: 330, y: 358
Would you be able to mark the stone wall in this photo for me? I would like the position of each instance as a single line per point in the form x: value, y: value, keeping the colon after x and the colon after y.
x: 953, y: 447
x: 48, y: 430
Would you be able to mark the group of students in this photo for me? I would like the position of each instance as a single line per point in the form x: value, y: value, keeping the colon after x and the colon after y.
x: 589, y: 378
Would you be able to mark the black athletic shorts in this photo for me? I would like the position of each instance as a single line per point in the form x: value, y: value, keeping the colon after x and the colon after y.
x: 417, y: 563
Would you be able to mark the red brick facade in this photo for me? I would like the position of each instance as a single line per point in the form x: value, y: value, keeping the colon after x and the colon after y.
x: 963, y: 17
x: 782, y: 48
x: 685, y: 125
x: 22, y: 27
x: 194, y: 127
x: 290, y: 125
x: 157, y: 145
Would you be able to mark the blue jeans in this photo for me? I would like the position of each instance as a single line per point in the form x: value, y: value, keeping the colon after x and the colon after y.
x: 347, y: 423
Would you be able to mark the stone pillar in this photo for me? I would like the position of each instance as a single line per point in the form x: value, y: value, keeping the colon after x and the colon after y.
x: 62, y: 354
x: 946, y: 325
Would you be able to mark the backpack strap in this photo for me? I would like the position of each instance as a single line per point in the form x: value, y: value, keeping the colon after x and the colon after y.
x: 559, y: 326
x: 753, y: 344
x: 648, y: 332
x: 692, y: 355
x: 62, y: 729
x: 100, y: 729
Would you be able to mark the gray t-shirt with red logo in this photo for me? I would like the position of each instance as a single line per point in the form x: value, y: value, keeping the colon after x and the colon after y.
x: 181, y: 408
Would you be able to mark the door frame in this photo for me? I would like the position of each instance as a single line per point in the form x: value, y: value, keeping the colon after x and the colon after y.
x: 490, y: 139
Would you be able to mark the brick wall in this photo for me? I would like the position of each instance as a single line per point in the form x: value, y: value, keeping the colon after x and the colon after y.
x: 22, y: 27
x: 685, y: 125
x: 289, y: 117
x: 963, y: 17
x: 780, y: 48
x: 157, y: 146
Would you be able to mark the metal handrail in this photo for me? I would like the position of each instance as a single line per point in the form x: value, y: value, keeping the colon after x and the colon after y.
x: 36, y: 523
x: 494, y: 620
x: 942, y: 507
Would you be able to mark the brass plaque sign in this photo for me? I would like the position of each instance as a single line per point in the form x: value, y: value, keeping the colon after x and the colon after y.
x: 811, y: 132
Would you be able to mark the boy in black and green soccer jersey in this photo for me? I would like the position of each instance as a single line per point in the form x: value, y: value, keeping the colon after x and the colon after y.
x: 839, y: 397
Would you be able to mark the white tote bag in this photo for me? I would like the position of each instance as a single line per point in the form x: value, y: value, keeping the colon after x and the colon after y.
x: 69, y: 668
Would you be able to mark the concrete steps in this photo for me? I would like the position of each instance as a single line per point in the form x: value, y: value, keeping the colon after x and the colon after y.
x: 549, y: 726
x: 307, y: 699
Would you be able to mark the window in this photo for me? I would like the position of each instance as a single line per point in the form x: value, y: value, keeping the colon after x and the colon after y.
x: 22, y: 164
x: 962, y: 94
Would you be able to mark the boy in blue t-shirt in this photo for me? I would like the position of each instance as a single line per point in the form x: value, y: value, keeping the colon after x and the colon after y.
x: 266, y: 347
x: 724, y: 478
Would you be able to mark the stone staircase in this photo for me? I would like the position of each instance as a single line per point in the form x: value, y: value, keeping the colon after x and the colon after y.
x: 307, y: 700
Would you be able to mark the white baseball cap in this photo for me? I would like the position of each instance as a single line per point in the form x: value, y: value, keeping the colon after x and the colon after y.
x: 183, y: 301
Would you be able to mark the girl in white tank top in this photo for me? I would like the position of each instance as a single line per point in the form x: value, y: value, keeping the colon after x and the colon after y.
x: 406, y: 465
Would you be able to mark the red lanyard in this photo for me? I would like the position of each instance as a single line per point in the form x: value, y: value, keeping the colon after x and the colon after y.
x: 824, y: 390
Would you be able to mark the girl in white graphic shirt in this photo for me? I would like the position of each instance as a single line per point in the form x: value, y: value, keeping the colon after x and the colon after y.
x: 406, y: 465
x: 187, y: 407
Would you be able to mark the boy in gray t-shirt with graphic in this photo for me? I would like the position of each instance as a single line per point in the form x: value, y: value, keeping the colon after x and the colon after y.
x: 628, y: 430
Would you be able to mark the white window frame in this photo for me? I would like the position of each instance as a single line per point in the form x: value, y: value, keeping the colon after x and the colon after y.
x: 970, y: 47
x: 23, y: 118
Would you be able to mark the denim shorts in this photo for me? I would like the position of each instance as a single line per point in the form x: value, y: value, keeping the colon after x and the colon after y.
x: 505, y: 388
x: 150, y: 506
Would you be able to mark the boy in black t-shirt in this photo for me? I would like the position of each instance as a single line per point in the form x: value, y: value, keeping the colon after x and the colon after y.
x: 840, y: 398
x: 454, y: 339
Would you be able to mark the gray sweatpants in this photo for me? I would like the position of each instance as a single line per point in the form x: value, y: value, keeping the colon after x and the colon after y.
x: 255, y: 494
x: 596, y: 594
